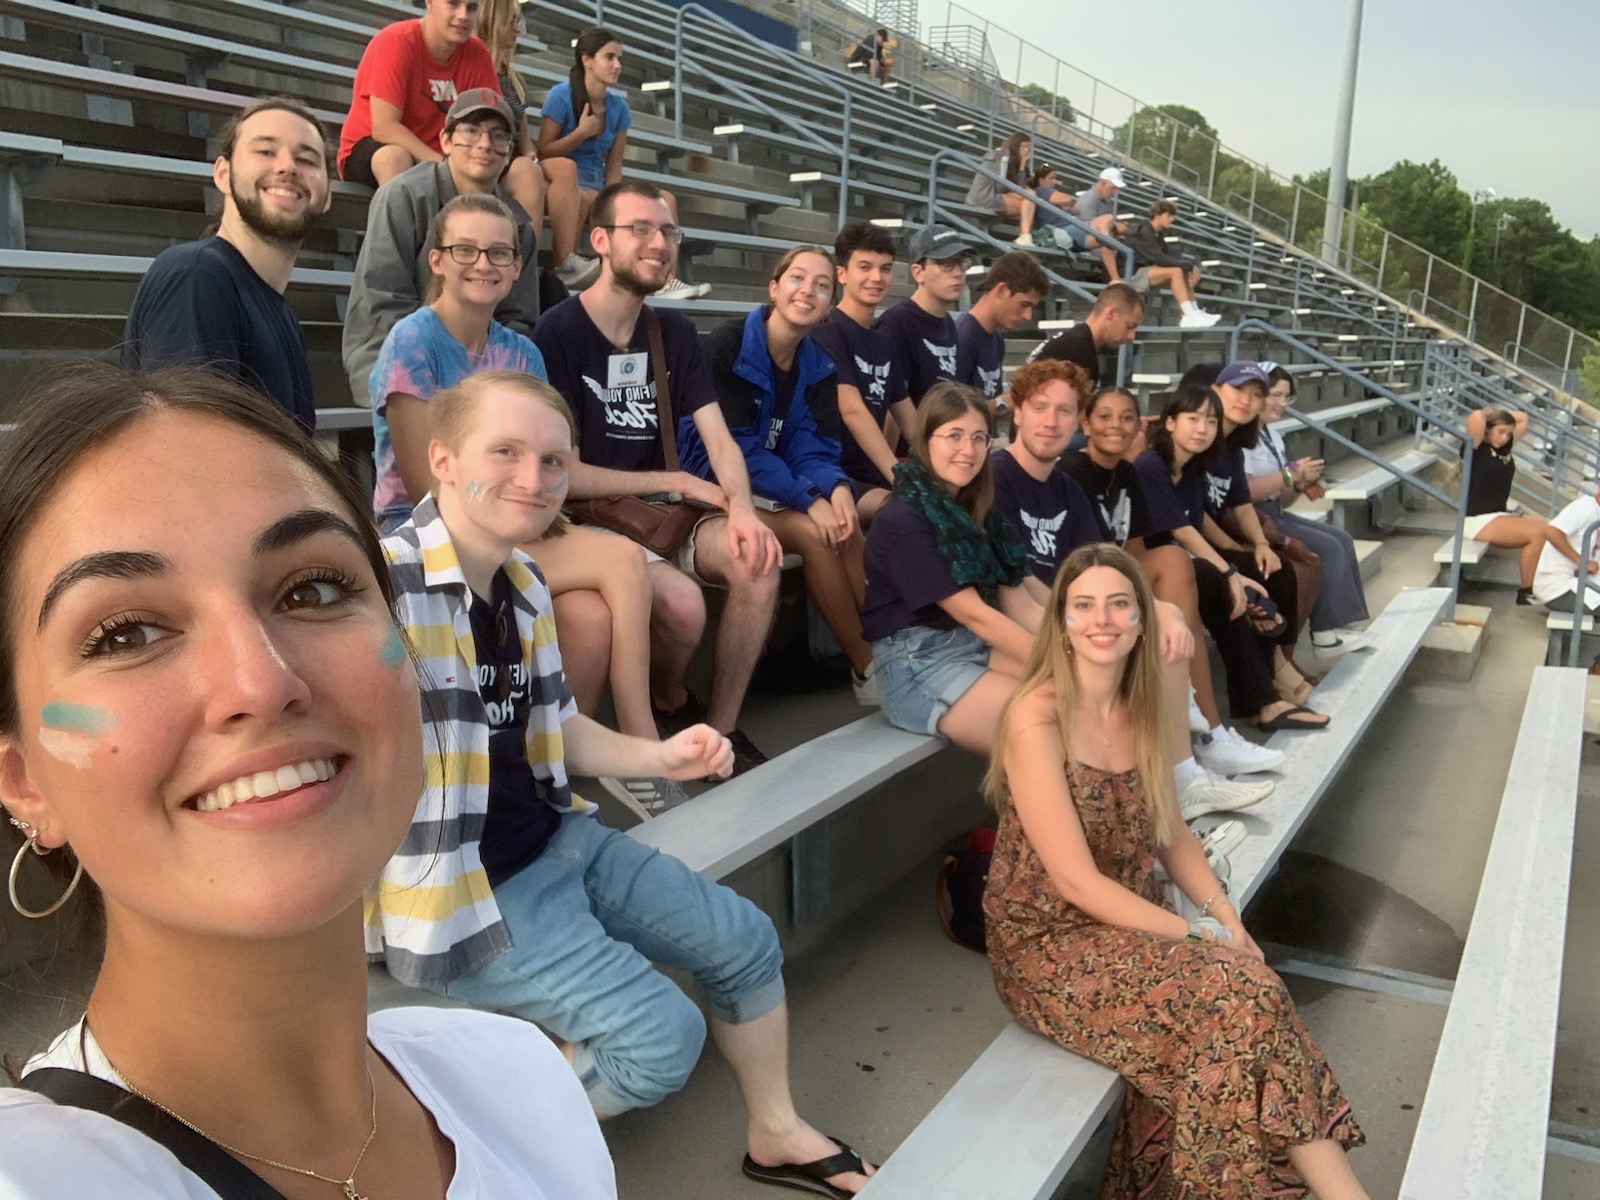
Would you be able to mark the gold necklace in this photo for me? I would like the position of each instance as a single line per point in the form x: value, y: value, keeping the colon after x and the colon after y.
x: 348, y: 1183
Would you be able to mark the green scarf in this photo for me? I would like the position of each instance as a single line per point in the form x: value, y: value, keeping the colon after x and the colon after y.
x: 981, y: 558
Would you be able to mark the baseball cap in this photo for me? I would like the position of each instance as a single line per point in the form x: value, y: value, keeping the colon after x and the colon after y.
x: 1113, y: 176
x: 1237, y: 374
x: 479, y: 100
x: 938, y: 242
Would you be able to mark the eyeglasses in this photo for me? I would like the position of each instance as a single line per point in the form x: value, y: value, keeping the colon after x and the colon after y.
x: 959, y: 263
x: 466, y: 254
x: 645, y: 231
x: 498, y: 138
x: 955, y: 438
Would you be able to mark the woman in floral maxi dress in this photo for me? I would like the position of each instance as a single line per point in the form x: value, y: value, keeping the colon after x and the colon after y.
x: 1227, y: 1097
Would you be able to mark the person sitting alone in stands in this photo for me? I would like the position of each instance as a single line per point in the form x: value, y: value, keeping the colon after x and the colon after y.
x: 219, y: 302
x: 779, y: 396
x: 209, y: 734
x: 602, y: 596
x: 1010, y: 161
x: 1052, y: 514
x: 1277, y: 481
x: 1050, y: 227
x: 410, y: 75
x: 1097, y: 205
x: 1013, y: 288
x: 1104, y: 469
x: 500, y: 24
x: 509, y: 893
x: 393, y: 275
x: 872, y: 390
x: 1555, y: 584
x: 1156, y: 266
x: 1171, y: 477
x: 920, y: 330
x: 1494, y: 434
x: 585, y: 120
x: 1112, y: 323
x: 876, y: 58
x: 604, y: 356
x: 948, y: 611
x: 1227, y: 1093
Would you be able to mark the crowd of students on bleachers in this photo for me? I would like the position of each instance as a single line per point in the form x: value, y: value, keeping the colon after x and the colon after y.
x: 218, y: 705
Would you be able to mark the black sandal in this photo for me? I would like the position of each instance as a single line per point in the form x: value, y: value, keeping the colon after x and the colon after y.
x: 1266, y: 625
x: 812, y: 1176
x: 1283, y: 721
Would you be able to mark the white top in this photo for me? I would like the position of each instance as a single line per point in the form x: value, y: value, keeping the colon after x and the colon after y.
x: 498, y: 1088
x: 1557, y: 574
x: 1260, y: 459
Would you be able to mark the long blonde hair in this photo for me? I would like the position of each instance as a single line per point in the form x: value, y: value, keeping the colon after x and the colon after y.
x: 495, y: 19
x: 1052, y: 664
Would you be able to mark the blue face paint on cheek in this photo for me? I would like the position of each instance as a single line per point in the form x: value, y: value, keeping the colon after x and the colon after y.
x: 1133, y: 616
x: 77, y: 718
x: 393, y: 651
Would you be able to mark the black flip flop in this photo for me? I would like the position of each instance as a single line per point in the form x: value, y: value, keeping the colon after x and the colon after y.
x: 812, y: 1176
x: 1266, y: 626
x: 1282, y: 721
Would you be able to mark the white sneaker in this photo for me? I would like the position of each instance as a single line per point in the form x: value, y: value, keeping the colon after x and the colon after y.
x: 866, y: 686
x: 1199, y: 319
x: 1197, y: 719
x: 1022, y: 239
x: 645, y: 798
x: 1343, y: 642
x: 1228, y: 753
x: 578, y: 272
x: 1208, y: 793
x: 677, y: 289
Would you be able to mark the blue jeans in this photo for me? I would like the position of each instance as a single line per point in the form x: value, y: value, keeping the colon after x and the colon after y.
x: 587, y: 918
x: 922, y: 672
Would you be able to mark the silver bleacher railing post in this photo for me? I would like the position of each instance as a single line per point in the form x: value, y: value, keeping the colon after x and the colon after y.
x: 1579, y: 607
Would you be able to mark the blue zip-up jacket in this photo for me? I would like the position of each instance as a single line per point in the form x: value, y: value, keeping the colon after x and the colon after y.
x: 803, y: 463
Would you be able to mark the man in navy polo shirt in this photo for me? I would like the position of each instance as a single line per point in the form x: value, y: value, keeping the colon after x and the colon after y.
x: 1015, y: 284
x: 870, y: 382
x: 921, y: 332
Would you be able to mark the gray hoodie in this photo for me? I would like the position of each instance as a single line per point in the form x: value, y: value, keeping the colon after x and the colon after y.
x: 392, y: 273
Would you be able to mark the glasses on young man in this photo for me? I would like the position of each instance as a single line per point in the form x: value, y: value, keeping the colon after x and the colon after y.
x: 466, y: 254
x: 499, y: 139
x: 645, y: 231
x: 955, y: 438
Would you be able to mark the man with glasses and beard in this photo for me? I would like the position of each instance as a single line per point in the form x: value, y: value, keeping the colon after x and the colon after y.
x: 219, y: 302
x: 596, y: 347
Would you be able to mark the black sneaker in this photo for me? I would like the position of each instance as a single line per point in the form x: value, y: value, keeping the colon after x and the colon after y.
x: 690, y: 712
x: 746, y: 754
x: 1525, y: 595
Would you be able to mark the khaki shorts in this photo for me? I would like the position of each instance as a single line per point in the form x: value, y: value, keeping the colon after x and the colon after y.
x: 683, y: 560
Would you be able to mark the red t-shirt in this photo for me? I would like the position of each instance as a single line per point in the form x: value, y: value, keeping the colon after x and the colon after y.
x: 397, y: 67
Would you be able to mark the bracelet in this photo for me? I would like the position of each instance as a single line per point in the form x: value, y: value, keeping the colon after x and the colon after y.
x: 1205, y: 909
x: 1288, y: 478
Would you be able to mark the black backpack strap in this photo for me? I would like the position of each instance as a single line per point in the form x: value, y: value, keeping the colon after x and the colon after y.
x: 223, y: 1173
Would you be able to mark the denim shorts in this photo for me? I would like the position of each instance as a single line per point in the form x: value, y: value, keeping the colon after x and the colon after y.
x: 921, y: 672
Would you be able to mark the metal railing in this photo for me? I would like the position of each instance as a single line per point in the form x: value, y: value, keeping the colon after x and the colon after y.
x: 1580, y: 607
x: 1458, y: 503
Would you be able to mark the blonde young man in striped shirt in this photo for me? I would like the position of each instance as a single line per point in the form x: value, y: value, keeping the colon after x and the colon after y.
x: 508, y: 892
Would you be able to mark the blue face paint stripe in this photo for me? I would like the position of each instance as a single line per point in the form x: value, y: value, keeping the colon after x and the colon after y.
x: 393, y: 651
x: 77, y: 718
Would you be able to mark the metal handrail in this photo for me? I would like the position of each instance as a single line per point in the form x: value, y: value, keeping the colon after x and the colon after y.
x: 1515, y: 352
x: 1579, y: 598
x: 1248, y: 208
x: 978, y: 168
x: 1459, y: 503
x: 1471, y: 331
x: 680, y: 53
x: 1170, y: 166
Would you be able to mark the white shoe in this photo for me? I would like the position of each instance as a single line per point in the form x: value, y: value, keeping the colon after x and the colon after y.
x: 578, y: 272
x: 866, y: 687
x: 1022, y: 239
x: 645, y: 798
x: 677, y: 289
x: 1342, y: 644
x: 1219, y: 836
x: 1197, y: 719
x: 1228, y: 753
x: 1199, y: 319
x: 1208, y: 793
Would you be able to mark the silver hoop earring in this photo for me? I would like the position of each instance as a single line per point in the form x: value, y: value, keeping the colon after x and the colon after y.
x: 16, y: 867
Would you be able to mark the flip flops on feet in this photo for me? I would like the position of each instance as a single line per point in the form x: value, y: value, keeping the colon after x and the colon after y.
x: 812, y: 1176
x: 1292, y: 718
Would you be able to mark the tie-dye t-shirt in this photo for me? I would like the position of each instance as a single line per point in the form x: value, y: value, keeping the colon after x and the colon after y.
x: 420, y: 357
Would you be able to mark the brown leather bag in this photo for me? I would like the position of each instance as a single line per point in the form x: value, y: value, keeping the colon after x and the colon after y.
x: 659, y: 525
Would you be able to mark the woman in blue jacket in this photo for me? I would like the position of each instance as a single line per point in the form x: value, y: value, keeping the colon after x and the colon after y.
x: 779, y: 395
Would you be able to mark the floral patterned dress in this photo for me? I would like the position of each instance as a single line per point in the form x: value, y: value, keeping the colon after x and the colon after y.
x: 1222, y: 1076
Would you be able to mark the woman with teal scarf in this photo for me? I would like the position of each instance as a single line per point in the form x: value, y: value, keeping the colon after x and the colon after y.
x: 951, y: 608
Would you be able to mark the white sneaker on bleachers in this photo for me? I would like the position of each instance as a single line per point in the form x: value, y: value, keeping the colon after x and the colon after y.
x: 1228, y: 753
x: 1208, y: 793
x: 645, y: 798
x: 677, y: 289
x: 578, y: 272
x: 1343, y: 642
x: 1022, y: 239
x: 1199, y: 319
x: 866, y: 687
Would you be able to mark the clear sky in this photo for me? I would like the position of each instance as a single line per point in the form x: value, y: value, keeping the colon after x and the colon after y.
x: 1506, y: 93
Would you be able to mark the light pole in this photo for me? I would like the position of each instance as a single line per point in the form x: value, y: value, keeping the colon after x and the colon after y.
x: 1499, y: 226
x: 1481, y: 196
x: 1339, y: 170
